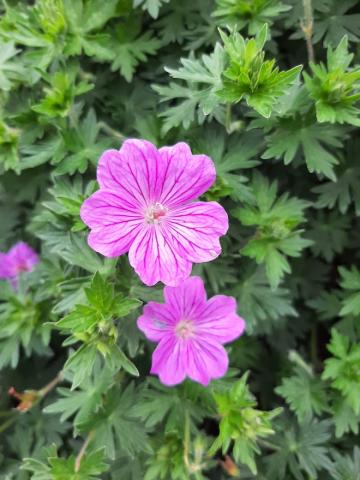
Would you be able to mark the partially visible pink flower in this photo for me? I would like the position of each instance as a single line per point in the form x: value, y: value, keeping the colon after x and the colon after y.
x: 20, y: 258
x: 190, y: 330
x: 145, y: 206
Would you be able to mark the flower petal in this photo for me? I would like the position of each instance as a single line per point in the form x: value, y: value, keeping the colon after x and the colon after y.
x: 187, y: 176
x: 153, y: 257
x: 114, y: 224
x: 219, y: 321
x: 5, y: 268
x: 137, y: 169
x: 156, y: 321
x: 196, y: 229
x: 22, y: 257
x: 187, y: 299
x: 169, y: 361
x: 208, y: 360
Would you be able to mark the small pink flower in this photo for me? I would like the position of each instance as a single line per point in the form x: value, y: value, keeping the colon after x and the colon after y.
x: 20, y: 258
x: 190, y: 330
x: 145, y: 206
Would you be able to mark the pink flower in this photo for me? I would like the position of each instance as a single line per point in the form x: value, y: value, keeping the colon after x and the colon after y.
x: 145, y: 206
x: 190, y: 330
x: 20, y: 258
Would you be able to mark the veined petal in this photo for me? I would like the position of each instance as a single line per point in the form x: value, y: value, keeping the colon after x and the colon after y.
x: 187, y: 176
x: 154, y: 259
x: 136, y: 168
x: 219, y: 321
x: 196, y: 229
x: 157, y: 321
x: 114, y: 224
x: 187, y: 299
x: 21, y: 257
x: 115, y: 173
x: 169, y: 360
x: 208, y: 360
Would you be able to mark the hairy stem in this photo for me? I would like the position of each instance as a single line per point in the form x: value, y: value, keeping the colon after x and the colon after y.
x: 268, y: 445
x: 83, y: 450
x: 187, y: 443
x: 228, y: 118
x: 109, y: 130
x: 51, y: 385
x: 307, y: 25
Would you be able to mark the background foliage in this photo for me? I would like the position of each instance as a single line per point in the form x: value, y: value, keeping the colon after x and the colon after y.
x: 270, y: 90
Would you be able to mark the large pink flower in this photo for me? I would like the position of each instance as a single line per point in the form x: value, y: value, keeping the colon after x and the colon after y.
x: 145, y: 206
x: 20, y: 258
x: 190, y: 330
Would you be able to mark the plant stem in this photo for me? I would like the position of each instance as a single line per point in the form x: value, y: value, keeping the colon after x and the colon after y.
x: 7, y: 424
x: 187, y: 442
x: 83, y: 450
x: 106, y: 128
x: 313, y: 347
x: 268, y: 445
x: 51, y: 385
x: 228, y: 118
x: 307, y: 27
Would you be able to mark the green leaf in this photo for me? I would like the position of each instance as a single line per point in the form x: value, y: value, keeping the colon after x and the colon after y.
x: 250, y: 76
x: 152, y: 6
x: 198, y: 97
x: 343, y: 369
x: 305, y: 394
x: 350, y: 280
x: 128, y: 54
x: 57, y: 468
x: 335, y: 88
x: 248, y: 13
x: 242, y: 423
x: 10, y: 70
x: 314, y: 141
x: 346, y: 467
x: 81, y: 363
x: 82, y: 403
x: 301, y: 450
x: 276, y: 221
x: 264, y: 309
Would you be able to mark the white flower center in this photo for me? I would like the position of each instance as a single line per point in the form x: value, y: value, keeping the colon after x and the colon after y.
x: 155, y: 213
x: 184, y: 329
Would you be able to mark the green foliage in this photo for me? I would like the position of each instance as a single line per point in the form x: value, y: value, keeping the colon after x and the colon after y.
x: 79, y: 77
x: 350, y: 281
x: 152, y: 6
x: 334, y: 21
x: 346, y: 467
x: 250, y: 76
x: 93, y: 325
x: 343, y: 369
x: 302, y: 451
x: 305, y: 394
x: 277, y: 234
x: 249, y: 13
x: 265, y: 309
x: 334, y: 88
x: 199, y: 95
x: 22, y: 326
x: 241, y: 423
x: 58, y: 468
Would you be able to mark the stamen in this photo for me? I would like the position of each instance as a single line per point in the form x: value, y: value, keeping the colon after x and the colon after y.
x: 155, y: 213
x: 184, y: 329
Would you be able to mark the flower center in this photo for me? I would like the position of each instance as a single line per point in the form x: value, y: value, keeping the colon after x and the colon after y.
x: 155, y: 213
x: 184, y: 329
